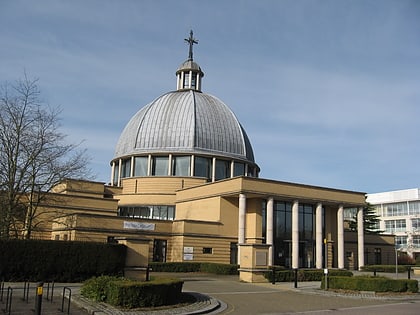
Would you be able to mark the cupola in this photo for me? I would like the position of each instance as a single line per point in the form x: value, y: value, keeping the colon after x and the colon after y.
x: 189, y: 74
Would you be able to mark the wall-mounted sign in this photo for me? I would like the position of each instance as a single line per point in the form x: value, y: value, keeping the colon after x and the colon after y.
x: 188, y: 256
x: 188, y: 250
x: 139, y: 226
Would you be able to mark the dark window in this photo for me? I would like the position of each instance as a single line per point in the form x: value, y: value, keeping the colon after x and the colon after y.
x: 238, y: 169
x: 125, y: 168
x: 222, y: 169
x: 202, y: 167
x: 207, y: 250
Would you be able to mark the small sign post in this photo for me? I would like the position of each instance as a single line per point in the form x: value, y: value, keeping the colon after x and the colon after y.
x: 38, y: 299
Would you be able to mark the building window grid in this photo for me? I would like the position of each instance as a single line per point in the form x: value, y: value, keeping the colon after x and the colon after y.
x: 180, y: 166
x: 415, y: 223
x: 148, y: 212
x: 414, y: 207
x: 392, y: 226
x: 396, y: 209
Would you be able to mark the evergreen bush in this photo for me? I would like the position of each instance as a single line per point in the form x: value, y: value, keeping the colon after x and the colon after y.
x: 288, y: 275
x: 376, y: 284
x: 384, y: 268
x: 132, y: 294
x: 222, y: 269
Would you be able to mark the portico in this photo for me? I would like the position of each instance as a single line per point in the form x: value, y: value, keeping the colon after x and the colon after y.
x: 298, y: 220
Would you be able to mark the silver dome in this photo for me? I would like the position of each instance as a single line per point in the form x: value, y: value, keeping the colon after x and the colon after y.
x: 185, y: 122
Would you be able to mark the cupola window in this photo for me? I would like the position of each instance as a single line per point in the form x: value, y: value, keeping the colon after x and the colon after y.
x: 186, y: 80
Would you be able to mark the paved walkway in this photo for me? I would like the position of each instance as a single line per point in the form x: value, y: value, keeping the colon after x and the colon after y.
x: 214, y: 295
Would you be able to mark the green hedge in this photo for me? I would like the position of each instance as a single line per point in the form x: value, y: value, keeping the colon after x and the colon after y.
x: 132, y: 294
x: 385, y: 268
x: 36, y: 260
x: 288, y: 275
x: 377, y: 284
x: 221, y: 269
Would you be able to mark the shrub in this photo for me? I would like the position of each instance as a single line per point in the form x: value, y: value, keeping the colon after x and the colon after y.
x: 384, y: 268
x: 175, y: 266
x: 95, y: 288
x: 223, y: 269
x: 377, y: 284
x: 304, y: 274
x: 131, y: 294
x: 36, y: 260
x: 219, y: 269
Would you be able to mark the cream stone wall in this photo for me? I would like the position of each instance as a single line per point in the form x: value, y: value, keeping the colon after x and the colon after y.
x: 160, y: 184
x: 79, y: 188
x: 207, y: 209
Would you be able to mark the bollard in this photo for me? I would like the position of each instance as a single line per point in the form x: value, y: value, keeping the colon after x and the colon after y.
x: 148, y: 273
x: 326, y: 278
x: 296, y: 277
x: 26, y: 291
x: 38, y: 298
x: 50, y: 296
x: 374, y: 272
x: 1, y: 290
x: 273, y: 275
x: 8, y: 308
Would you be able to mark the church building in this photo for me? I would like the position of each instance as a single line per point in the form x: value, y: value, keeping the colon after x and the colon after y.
x: 184, y: 180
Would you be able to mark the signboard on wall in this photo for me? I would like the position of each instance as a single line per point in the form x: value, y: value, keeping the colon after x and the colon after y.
x: 188, y: 253
x: 139, y: 226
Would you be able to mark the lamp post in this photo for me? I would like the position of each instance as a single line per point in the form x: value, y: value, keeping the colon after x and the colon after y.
x: 396, y: 260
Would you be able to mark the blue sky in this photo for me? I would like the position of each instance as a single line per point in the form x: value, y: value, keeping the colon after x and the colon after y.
x: 328, y: 91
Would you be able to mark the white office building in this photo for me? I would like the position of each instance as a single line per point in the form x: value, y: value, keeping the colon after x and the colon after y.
x: 399, y: 212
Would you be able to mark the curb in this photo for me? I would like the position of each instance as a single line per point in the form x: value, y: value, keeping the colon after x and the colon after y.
x: 203, y: 305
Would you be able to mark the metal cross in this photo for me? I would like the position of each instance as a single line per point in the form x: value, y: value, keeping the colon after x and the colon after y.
x: 191, y: 41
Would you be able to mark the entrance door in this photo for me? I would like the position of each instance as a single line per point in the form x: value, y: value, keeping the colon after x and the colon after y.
x: 159, y: 250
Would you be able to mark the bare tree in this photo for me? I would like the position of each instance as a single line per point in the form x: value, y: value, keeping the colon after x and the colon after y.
x: 34, y: 156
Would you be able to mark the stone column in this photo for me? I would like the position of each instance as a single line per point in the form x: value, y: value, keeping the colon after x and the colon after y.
x: 340, y: 237
x: 269, y: 232
x: 149, y: 165
x: 360, y: 239
x: 318, y: 236
x: 232, y: 169
x: 112, y: 173
x: 241, y: 223
x: 213, y: 170
x: 295, y: 234
x: 119, y: 172
x: 192, y: 165
x: 132, y: 167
